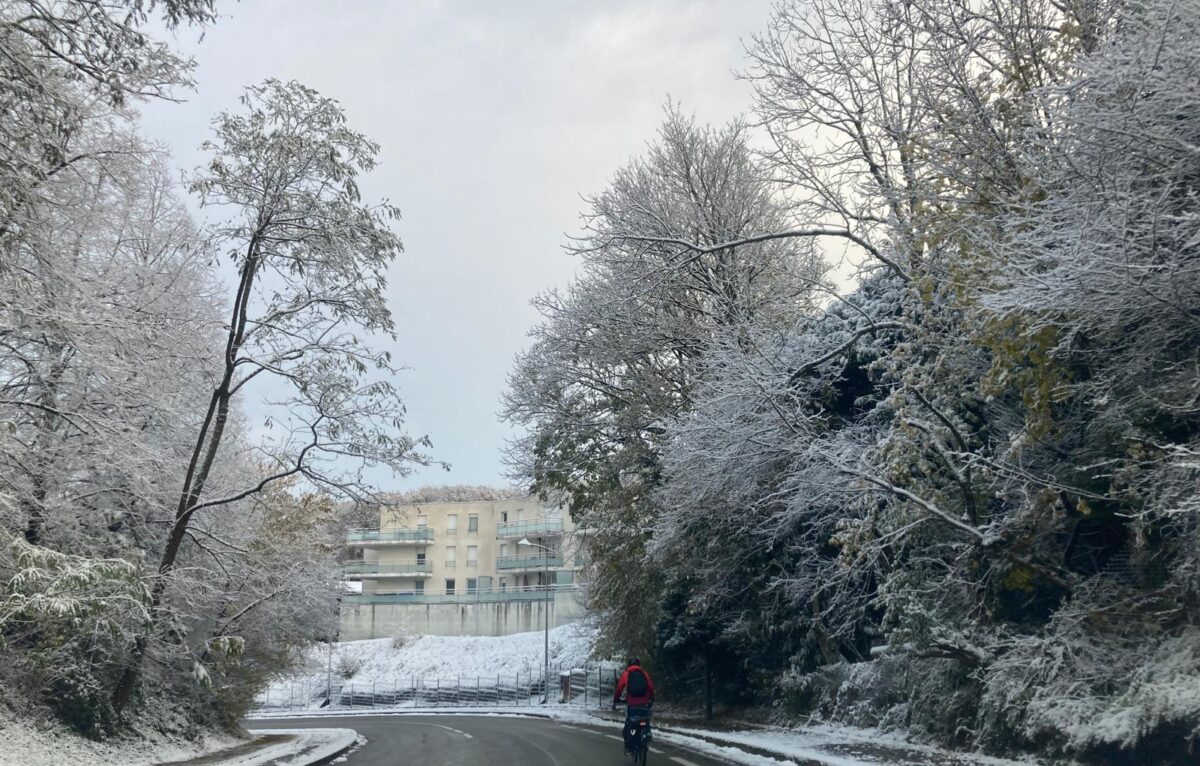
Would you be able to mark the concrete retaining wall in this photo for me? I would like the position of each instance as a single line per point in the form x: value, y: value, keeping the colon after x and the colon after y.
x: 499, y: 618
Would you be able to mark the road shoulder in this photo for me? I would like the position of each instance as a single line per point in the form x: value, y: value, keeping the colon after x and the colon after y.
x: 282, y: 747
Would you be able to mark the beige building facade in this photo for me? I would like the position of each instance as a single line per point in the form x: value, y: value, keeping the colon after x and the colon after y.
x: 478, y: 567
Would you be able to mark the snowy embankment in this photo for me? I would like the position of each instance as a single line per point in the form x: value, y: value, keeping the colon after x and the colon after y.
x: 27, y: 743
x: 396, y: 662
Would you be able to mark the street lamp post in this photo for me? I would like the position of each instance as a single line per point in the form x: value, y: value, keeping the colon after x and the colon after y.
x: 546, y: 584
x: 331, y: 638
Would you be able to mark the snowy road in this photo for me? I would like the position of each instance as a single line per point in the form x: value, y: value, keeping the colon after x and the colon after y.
x: 487, y: 741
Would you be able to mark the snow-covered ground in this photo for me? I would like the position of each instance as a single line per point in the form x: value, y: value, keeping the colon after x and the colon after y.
x: 303, y: 746
x: 392, y: 663
x: 26, y: 743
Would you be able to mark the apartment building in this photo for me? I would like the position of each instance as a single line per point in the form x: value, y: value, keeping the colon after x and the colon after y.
x: 463, y: 555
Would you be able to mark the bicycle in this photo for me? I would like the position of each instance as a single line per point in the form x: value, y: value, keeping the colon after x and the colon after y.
x: 639, y: 718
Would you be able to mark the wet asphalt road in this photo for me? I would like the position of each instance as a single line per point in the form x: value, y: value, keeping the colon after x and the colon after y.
x: 462, y: 740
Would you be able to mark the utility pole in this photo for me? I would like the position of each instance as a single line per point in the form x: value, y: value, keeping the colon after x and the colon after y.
x: 546, y: 608
x: 331, y: 637
x: 329, y: 672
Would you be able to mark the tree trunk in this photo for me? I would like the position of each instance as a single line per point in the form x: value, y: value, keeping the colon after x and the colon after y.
x: 708, y: 690
x: 208, y: 443
x: 49, y: 421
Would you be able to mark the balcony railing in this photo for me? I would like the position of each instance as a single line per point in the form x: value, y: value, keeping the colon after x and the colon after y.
x: 532, y: 528
x: 369, y: 537
x: 529, y: 561
x: 370, y: 569
x: 461, y: 596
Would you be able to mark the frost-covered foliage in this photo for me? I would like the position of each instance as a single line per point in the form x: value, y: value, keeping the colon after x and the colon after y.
x: 67, y: 67
x: 70, y: 616
x: 962, y: 498
x: 146, y: 566
x: 454, y: 493
x: 617, y: 355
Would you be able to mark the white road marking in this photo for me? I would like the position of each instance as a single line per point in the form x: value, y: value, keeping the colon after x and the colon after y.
x: 619, y: 739
x: 683, y: 761
x: 438, y: 726
x: 656, y: 751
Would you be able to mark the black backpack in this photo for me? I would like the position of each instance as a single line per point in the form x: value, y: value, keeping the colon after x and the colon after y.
x: 637, y: 684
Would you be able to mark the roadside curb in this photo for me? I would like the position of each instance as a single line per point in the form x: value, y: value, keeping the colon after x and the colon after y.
x: 712, y: 740
x: 327, y: 759
x: 668, y: 730
x: 841, y: 752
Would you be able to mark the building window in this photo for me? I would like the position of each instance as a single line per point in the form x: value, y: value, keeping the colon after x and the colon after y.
x: 422, y: 521
x: 503, y: 585
x: 451, y: 556
x: 503, y: 549
x: 449, y: 587
x: 472, y: 585
x: 472, y: 556
x: 420, y: 558
x: 473, y: 523
x: 452, y: 524
x: 503, y: 516
x: 419, y: 586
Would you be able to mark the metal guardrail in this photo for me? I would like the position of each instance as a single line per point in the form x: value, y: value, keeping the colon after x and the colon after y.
x: 460, y: 596
x: 588, y: 686
x: 533, y: 527
x: 369, y: 569
x: 528, y: 561
x: 367, y: 536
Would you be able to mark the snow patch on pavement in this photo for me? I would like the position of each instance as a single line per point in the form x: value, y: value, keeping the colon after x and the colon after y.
x: 303, y: 747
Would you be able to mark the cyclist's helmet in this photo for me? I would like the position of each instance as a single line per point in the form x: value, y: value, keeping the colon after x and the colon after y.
x: 633, y: 661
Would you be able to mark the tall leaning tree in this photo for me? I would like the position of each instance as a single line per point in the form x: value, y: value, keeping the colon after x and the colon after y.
x: 310, y: 257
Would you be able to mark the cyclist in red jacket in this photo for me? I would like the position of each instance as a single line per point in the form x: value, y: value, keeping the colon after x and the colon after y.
x: 639, y: 695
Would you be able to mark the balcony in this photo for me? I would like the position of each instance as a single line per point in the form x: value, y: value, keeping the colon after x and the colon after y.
x: 548, y: 527
x: 462, y: 596
x: 528, y: 562
x: 372, y: 538
x: 371, y: 570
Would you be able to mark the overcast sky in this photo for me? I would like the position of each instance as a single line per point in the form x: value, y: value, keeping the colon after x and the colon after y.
x: 494, y: 117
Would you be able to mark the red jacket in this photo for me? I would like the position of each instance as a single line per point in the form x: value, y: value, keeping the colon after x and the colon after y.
x: 634, y: 701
